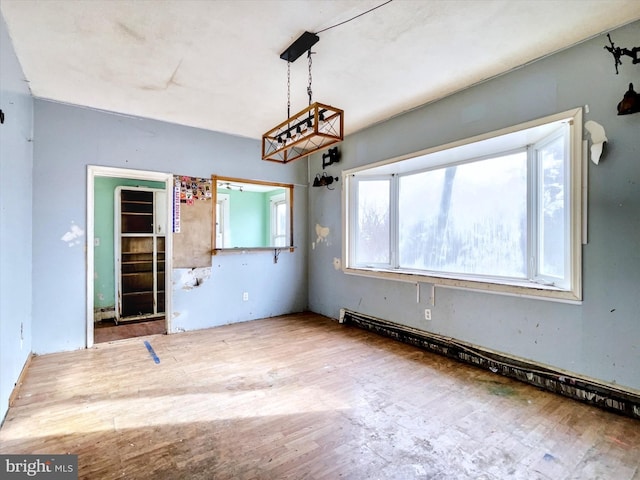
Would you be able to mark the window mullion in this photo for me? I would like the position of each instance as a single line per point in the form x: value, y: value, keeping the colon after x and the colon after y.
x: 353, y: 217
x: 532, y: 213
x: 393, y: 221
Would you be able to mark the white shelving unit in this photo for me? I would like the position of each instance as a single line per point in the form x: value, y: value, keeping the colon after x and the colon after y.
x: 140, y: 230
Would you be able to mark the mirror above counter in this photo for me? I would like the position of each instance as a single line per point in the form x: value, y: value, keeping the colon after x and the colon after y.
x: 251, y: 215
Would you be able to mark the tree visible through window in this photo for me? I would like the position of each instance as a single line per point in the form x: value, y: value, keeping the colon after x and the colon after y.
x: 372, y: 244
x: 469, y: 218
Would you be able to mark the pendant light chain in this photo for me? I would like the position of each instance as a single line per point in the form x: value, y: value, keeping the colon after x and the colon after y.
x: 288, y: 89
x: 309, y: 92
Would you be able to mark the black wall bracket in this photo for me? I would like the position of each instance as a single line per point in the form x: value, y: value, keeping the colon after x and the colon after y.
x: 618, y: 52
x: 332, y: 156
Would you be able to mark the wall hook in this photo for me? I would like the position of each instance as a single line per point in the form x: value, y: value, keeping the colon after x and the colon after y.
x: 618, y: 52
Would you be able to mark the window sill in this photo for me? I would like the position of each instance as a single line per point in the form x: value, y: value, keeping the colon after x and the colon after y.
x: 217, y: 251
x: 513, y: 288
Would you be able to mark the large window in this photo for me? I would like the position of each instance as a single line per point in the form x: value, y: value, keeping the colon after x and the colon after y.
x: 501, y: 212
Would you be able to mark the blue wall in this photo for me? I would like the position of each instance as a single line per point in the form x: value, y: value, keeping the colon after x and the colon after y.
x: 599, y: 338
x: 70, y: 138
x: 16, y: 190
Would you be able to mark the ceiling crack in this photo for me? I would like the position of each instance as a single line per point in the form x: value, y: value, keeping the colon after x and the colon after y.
x: 172, y: 78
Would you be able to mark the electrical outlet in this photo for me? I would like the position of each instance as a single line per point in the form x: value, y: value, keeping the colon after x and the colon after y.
x: 245, y: 296
x: 427, y: 314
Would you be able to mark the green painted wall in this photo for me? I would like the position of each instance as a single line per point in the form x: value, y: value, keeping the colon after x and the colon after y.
x: 250, y: 214
x: 104, y: 253
x: 247, y: 221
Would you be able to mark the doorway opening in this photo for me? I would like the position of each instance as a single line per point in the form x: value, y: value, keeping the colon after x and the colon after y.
x: 118, y: 265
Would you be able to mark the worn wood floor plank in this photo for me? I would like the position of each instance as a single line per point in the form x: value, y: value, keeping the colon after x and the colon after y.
x: 302, y: 397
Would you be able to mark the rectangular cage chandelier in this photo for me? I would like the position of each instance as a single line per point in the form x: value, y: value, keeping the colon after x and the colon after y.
x: 313, y: 128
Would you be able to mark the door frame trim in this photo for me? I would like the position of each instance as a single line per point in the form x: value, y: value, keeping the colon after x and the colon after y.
x: 94, y: 171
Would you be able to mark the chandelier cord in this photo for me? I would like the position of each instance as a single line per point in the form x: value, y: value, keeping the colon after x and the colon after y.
x: 353, y: 18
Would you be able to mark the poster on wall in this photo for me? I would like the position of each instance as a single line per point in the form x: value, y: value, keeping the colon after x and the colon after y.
x: 187, y: 191
x: 193, y: 189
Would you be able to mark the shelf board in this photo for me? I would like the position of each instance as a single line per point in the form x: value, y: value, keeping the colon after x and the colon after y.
x: 140, y: 235
x: 135, y: 318
x: 133, y: 262
x: 140, y: 292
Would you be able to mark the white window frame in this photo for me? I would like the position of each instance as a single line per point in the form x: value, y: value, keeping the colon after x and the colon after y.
x: 534, y: 204
x: 496, y: 142
x: 223, y: 228
x: 392, y: 220
x: 275, y: 201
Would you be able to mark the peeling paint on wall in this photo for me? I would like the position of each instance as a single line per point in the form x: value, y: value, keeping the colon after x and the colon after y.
x: 322, y: 235
x: 193, y: 277
x: 598, y: 139
x: 337, y: 263
x: 72, y: 237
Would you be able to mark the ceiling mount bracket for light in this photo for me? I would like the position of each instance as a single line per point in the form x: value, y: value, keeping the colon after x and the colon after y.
x: 301, y: 45
x: 313, y: 128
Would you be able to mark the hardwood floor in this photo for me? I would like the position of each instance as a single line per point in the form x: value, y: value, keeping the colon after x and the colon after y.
x: 303, y: 397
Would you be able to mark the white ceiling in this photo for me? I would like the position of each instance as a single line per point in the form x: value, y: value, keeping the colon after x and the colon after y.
x: 215, y: 64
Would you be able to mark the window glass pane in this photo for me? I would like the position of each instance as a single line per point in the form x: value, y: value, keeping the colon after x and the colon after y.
x: 373, y: 235
x: 280, y: 235
x: 469, y: 218
x: 552, y: 211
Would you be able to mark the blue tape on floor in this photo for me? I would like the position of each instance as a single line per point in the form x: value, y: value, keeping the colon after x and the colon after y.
x: 151, y: 352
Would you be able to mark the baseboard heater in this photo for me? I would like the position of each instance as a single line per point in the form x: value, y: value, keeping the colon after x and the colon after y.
x: 581, y: 389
